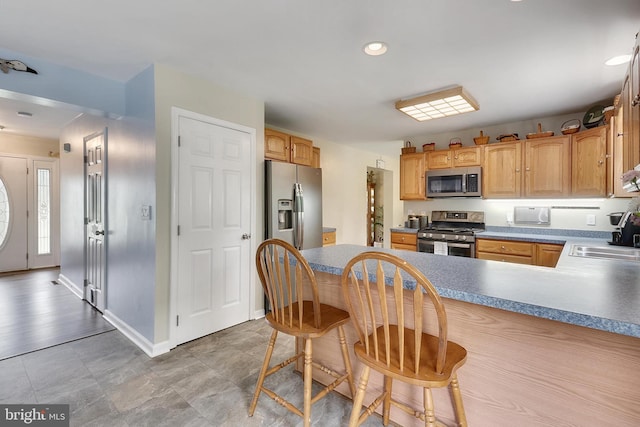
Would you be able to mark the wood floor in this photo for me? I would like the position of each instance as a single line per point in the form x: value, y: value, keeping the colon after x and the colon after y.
x: 36, y: 313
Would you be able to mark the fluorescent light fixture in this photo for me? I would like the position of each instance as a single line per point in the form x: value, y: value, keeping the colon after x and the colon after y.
x: 24, y: 114
x: 618, y: 60
x: 444, y: 103
x: 375, y: 48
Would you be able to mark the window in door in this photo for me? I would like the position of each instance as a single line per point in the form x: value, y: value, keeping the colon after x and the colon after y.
x: 44, y: 210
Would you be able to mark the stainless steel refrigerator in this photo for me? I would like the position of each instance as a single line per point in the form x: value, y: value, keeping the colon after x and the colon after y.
x: 294, y: 204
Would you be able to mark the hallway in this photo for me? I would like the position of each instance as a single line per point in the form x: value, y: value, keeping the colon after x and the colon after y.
x: 36, y: 313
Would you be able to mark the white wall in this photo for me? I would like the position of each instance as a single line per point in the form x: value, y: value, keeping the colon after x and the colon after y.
x: 173, y: 88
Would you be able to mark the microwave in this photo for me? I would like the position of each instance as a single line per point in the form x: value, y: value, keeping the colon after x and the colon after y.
x: 456, y: 182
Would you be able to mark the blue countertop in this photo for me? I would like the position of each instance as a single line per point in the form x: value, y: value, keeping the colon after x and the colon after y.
x: 595, y: 293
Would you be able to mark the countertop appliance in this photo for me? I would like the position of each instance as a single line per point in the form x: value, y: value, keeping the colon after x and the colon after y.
x: 628, y: 231
x: 455, y: 182
x: 451, y: 233
x: 293, y: 203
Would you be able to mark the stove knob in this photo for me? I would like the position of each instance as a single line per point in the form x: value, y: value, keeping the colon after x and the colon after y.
x: 443, y: 237
x: 463, y: 238
x: 430, y: 235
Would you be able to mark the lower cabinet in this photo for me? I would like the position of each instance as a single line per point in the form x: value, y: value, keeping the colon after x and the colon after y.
x: 328, y: 238
x: 543, y: 254
x: 406, y: 241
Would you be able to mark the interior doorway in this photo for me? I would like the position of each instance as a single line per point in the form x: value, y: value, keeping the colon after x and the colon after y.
x: 379, y: 207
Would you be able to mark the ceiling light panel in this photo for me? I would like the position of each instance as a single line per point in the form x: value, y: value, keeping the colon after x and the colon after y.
x: 435, y: 105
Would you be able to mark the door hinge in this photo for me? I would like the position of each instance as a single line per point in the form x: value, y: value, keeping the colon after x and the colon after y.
x: 27, y: 256
x: 179, y: 141
x: 86, y: 159
x: 85, y: 282
x: 178, y: 230
x: 178, y: 320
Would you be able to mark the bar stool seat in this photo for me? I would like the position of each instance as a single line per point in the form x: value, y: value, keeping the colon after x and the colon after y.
x: 286, y: 279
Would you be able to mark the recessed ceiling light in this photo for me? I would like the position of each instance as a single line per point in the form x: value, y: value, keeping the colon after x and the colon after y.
x: 375, y: 48
x: 24, y: 114
x: 618, y: 60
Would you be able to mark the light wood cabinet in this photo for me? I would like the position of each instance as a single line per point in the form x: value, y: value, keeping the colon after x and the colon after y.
x: 634, y: 107
x: 277, y: 145
x: 588, y: 162
x: 547, y: 167
x: 545, y: 162
x: 502, y: 177
x: 519, y: 252
x: 406, y: 241
x: 328, y: 238
x: 616, y: 153
x: 315, y: 160
x: 412, y: 176
x: 505, y: 250
x: 459, y: 157
x: 548, y: 254
x: 287, y: 148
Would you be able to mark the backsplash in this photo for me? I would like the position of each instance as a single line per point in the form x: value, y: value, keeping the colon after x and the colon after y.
x: 564, y: 214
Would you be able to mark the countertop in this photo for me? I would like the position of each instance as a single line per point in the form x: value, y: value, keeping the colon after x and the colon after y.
x: 595, y: 293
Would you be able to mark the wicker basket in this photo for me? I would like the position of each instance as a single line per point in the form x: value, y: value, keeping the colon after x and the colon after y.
x: 408, y: 150
x: 481, y: 140
x: 570, y: 126
x: 431, y: 146
x: 508, y: 137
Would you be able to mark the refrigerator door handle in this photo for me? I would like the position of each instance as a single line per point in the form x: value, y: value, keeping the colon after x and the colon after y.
x: 298, y: 215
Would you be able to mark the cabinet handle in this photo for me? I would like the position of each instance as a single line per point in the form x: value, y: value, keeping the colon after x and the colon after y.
x: 517, y: 170
x: 620, y: 134
x: 600, y: 162
x: 502, y: 247
x: 527, y: 169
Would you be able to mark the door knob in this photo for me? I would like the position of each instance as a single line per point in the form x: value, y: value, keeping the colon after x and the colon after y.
x: 246, y: 236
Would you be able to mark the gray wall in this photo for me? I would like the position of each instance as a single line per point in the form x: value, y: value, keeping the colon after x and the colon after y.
x: 131, y: 183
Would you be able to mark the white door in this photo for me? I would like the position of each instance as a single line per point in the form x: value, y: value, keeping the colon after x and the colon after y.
x: 13, y: 214
x: 95, y: 200
x: 214, y: 221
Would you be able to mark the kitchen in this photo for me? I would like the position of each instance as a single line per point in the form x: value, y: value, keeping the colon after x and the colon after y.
x: 341, y: 164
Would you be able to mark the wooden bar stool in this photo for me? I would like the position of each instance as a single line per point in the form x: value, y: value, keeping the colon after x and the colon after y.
x: 389, y: 322
x: 285, y: 275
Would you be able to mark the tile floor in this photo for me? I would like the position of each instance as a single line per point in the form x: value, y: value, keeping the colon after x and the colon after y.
x: 108, y: 381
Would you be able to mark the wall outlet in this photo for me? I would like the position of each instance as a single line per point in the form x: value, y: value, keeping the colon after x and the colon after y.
x: 509, y: 217
x: 591, y: 219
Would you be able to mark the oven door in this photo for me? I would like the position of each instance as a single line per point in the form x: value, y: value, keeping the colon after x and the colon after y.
x: 467, y: 250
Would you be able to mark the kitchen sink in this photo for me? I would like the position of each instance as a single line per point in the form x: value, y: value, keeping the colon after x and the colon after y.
x: 608, y: 252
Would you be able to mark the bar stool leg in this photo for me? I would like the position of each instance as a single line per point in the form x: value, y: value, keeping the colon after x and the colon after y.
x: 457, y: 401
x: 308, y: 380
x: 347, y: 361
x: 263, y: 371
x: 354, y: 421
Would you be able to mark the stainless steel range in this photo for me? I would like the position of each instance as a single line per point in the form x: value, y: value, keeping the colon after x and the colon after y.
x: 451, y: 233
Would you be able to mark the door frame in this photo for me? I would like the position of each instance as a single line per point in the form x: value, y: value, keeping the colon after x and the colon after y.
x: 176, y: 113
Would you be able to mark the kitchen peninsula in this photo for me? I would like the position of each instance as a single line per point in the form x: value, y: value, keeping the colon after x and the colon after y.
x: 546, y: 346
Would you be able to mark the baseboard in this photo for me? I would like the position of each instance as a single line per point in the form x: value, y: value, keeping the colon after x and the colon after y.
x: 77, y: 291
x: 151, y: 349
x: 258, y: 314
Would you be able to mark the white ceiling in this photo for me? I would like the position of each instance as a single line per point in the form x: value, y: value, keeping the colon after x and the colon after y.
x: 519, y: 60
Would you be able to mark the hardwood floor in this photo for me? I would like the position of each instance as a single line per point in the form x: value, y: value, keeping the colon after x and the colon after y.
x: 37, y: 313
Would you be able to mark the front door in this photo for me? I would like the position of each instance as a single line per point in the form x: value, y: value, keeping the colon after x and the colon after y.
x: 214, y: 221
x: 13, y: 214
x: 95, y: 208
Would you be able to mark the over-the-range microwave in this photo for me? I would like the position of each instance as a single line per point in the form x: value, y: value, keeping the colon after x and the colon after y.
x: 456, y: 182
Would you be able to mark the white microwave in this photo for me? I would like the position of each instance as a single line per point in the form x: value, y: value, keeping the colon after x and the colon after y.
x: 456, y: 182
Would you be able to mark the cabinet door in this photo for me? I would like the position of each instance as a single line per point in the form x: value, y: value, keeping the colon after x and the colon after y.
x: 316, y: 157
x: 502, y: 178
x: 440, y: 159
x: 588, y: 162
x: 412, y: 184
x: 468, y: 156
x: 276, y: 145
x: 301, y: 151
x: 547, y: 167
x: 548, y: 254
x: 634, y: 134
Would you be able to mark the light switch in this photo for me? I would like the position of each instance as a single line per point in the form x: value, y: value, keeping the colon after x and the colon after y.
x: 145, y: 212
x: 591, y: 219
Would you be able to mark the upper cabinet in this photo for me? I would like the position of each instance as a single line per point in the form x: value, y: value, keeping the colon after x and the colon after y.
x: 459, y: 157
x: 412, y: 176
x: 634, y: 106
x: 502, y: 170
x: 288, y: 148
x: 589, y: 162
x: 547, y: 167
